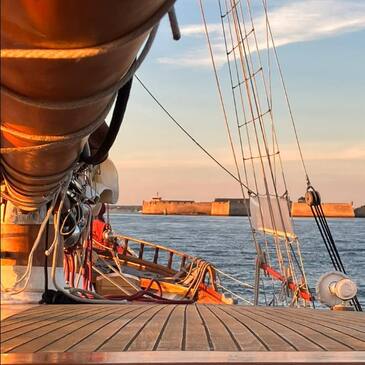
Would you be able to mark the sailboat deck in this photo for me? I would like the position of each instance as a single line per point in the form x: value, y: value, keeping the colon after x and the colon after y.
x: 215, y: 333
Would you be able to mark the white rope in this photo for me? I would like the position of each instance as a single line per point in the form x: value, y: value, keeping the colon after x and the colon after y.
x: 234, y: 279
x: 27, y: 274
x: 234, y: 294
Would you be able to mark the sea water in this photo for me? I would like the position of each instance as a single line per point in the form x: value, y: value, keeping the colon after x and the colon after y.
x: 227, y: 243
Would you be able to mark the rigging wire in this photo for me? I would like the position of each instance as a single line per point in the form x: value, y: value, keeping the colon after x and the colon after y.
x: 329, y: 242
x: 249, y: 79
x: 317, y: 210
x: 191, y: 137
x: 264, y: 2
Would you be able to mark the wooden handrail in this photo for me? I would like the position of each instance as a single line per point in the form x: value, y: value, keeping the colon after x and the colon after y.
x: 162, y: 248
x: 152, y: 263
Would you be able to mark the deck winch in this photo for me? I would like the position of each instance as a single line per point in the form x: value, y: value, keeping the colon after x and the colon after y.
x: 336, y: 290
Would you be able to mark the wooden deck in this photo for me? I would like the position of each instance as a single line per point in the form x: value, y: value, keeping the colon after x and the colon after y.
x: 236, y: 334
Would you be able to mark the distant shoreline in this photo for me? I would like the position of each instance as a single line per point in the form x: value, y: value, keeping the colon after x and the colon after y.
x: 299, y: 212
x: 121, y: 211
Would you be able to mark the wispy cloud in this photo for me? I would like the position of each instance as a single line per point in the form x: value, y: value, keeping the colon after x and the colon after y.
x: 293, y: 22
x: 324, y: 152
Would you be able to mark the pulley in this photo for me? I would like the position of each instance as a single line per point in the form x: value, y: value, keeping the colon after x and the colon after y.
x: 312, y: 197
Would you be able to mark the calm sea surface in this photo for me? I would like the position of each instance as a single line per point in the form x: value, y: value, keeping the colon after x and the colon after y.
x: 227, y: 243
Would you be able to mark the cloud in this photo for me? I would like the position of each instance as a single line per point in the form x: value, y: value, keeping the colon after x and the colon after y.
x: 324, y: 152
x: 293, y: 22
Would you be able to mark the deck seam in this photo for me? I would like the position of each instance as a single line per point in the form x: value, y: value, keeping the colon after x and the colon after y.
x: 183, y: 340
x: 44, y: 334
x: 327, y: 326
x: 83, y: 326
x: 271, y: 329
x: 124, y: 325
x: 98, y: 329
x: 207, y: 333
x: 326, y: 335
x: 294, y: 330
x: 227, y: 329
x: 157, y: 342
x: 335, y: 329
x: 248, y: 328
x: 25, y: 314
x: 34, y: 320
x: 44, y: 325
x: 128, y: 345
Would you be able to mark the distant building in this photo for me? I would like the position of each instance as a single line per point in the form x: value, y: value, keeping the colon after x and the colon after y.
x: 180, y: 207
x: 330, y: 210
x: 230, y: 207
x: 360, y: 212
x: 220, y: 207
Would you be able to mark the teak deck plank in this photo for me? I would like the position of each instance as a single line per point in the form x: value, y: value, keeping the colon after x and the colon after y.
x: 126, y: 334
x: 9, y: 310
x: 173, y: 335
x: 100, y: 336
x: 299, y: 342
x: 269, y: 337
x: 320, y: 340
x: 218, y: 333
x: 195, y: 336
x: 75, y: 334
x: 353, y: 320
x: 246, y: 340
x: 35, y: 339
x: 16, y: 336
x: 352, y: 329
x: 149, y: 336
x: 343, y: 339
x: 22, y: 318
x: 30, y: 322
x: 196, y: 327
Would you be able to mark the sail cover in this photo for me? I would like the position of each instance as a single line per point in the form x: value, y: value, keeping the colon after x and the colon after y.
x: 271, y: 215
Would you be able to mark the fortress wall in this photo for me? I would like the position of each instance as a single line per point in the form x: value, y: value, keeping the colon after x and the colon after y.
x: 220, y: 208
x: 238, y: 208
x: 203, y: 208
x: 334, y: 210
x: 176, y: 207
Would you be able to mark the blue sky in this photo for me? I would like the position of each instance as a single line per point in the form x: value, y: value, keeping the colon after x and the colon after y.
x: 322, y: 53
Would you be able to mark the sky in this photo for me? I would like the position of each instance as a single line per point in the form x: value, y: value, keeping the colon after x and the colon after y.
x: 321, y: 47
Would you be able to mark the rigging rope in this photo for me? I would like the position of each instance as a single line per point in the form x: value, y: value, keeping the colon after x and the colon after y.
x: 313, y: 199
x: 264, y: 2
x: 203, y: 149
x: 249, y: 74
x: 315, y: 204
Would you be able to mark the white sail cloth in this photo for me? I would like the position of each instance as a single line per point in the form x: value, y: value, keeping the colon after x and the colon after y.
x: 271, y: 215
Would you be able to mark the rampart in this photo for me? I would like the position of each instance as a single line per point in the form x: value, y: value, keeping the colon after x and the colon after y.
x: 231, y: 207
x: 220, y: 207
x: 176, y: 207
x: 331, y: 210
x: 237, y: 207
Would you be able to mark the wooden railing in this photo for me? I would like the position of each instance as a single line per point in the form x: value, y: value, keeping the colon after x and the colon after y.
x: 175, y: 261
